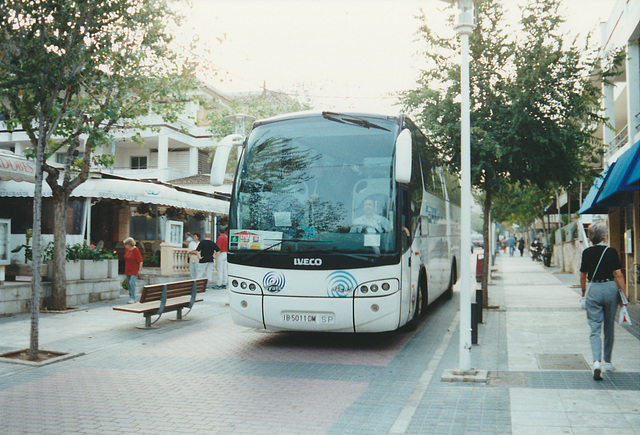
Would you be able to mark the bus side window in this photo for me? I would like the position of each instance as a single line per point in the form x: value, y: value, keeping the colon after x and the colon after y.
x: 405, y: 220
x: 437, y: 182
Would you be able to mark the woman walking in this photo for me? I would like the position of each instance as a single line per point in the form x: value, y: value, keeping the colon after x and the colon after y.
x: 194, y: 255
x: 601, y: 267
x: 132, y: 266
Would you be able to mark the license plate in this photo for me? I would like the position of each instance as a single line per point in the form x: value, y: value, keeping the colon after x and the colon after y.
x: 320, y: 318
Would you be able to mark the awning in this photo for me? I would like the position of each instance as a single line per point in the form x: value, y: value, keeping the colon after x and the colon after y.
x: 634, y: 173
x: 588, y: 204
x: 15, y: 167
x: 126, y: 190
x: 619, y: 181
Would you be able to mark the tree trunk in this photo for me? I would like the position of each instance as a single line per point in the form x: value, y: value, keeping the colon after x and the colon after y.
x: 36, y: 248
x: 59, y: 278
x: 486, y: 267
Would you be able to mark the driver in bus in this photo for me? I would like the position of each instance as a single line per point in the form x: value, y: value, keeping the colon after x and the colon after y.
x: 370, y: 222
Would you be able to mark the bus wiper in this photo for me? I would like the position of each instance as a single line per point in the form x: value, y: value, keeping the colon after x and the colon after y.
x: 343, y: 119
x: 253, y: 254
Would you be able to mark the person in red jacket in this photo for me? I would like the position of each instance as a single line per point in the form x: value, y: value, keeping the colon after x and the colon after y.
x: 221, y: 258
x: 132, y: 266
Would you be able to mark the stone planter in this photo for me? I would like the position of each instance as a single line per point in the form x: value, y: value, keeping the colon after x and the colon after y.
x: 87, y: 269
x: 94, y: 269
x: 73, y: 270
x: 113, y: 267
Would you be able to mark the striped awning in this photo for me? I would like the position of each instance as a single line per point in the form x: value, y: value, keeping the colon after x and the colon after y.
x: 15, y: 167
x: 126, y: 190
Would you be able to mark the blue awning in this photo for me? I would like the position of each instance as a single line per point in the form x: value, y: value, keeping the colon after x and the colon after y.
x: 620, y: 177
x: 634, y: 175
x: 588, y: 204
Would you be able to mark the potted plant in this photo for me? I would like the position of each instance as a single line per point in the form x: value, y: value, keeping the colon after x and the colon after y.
x: 89, y: 262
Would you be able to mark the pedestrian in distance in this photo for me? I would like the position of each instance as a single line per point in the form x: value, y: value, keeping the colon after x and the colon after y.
x: 132, y: 266
x: 194, y: 255
x: 512, y: 245
x: 521, y: 246
x: 601, y: 267
x: 221, y: 258
x: 206, y: 249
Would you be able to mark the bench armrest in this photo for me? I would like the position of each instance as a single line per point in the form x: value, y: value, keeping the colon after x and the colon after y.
x: 163, y: 300
x: 194, y: 291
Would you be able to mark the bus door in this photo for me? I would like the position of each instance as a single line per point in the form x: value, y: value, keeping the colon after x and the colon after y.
x: 410, y: 263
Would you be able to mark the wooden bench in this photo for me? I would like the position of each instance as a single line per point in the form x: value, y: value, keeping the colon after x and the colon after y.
x: 157, y: 299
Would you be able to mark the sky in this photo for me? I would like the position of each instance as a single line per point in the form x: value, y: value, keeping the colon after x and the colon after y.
x: 339, y: 54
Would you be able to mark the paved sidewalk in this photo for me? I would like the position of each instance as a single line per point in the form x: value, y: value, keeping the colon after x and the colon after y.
x: 208, y: 375
x: 547, y: 342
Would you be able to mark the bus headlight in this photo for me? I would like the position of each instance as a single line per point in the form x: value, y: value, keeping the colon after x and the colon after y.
x: 241, y: 285
x: 372, y: 288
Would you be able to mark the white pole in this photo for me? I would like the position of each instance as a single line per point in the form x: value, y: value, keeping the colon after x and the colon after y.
x: 465, y: 204
x: 87, y: 220
x: 464, y: 28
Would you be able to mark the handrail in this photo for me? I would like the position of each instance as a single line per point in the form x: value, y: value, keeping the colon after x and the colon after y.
x: 618, y: 141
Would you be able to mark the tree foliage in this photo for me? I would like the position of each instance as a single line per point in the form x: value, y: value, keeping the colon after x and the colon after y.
x: 521, y: 205
x: 71, y: 72
x: 534, y: 107
x: 258, y: 105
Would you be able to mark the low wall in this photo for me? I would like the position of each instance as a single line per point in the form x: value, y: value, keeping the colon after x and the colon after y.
x: 569, y: 254
x: 15, y: 297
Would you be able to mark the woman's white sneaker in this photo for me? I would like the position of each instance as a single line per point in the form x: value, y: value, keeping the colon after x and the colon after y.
x: 608, y: 367
x: 597, y: 371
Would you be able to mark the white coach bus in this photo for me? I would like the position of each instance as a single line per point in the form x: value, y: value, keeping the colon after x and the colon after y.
x: 339, y: 222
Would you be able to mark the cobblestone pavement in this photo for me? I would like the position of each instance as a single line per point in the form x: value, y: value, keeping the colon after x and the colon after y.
x: 207, y: 375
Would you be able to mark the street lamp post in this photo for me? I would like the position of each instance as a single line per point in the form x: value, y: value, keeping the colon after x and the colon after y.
x: 464, y: 27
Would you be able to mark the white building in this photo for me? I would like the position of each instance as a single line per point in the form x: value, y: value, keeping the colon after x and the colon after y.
x: 120, y: 206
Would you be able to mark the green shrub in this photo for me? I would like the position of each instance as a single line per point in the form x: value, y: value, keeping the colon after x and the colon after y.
x: 82, y: 251
x: 152, y: 260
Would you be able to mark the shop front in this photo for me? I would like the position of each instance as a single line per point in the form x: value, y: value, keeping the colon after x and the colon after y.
x: 616, y: 193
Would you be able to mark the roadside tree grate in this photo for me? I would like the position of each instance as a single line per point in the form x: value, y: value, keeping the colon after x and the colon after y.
x: 561, y: 361
x: 508, y: 378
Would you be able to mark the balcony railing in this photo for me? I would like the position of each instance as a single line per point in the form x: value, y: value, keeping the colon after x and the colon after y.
x: 618, y: 142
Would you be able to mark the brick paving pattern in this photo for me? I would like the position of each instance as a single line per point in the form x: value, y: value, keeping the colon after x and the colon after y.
x: 210, y: 376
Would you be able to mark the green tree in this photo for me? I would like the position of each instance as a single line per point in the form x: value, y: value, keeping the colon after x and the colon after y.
x: 76, y: 70
x: 258, y: 105
x: 533, y: 105
x: 521, y: 205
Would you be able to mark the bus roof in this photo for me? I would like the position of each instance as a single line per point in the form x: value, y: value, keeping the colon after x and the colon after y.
x: 314, y: 113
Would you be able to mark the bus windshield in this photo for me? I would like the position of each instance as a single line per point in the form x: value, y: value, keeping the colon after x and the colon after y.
x: 320, y: 183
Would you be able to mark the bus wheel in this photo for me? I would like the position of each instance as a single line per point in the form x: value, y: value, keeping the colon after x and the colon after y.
x: 418, y: 309
x: 448, y: 293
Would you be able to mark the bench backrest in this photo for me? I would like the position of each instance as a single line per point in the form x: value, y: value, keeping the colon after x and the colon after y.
x: 153, y: 292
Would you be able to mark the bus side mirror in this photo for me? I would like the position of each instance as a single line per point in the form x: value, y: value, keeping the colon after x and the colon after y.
x: 403, y: 157
x: 219, y: 165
